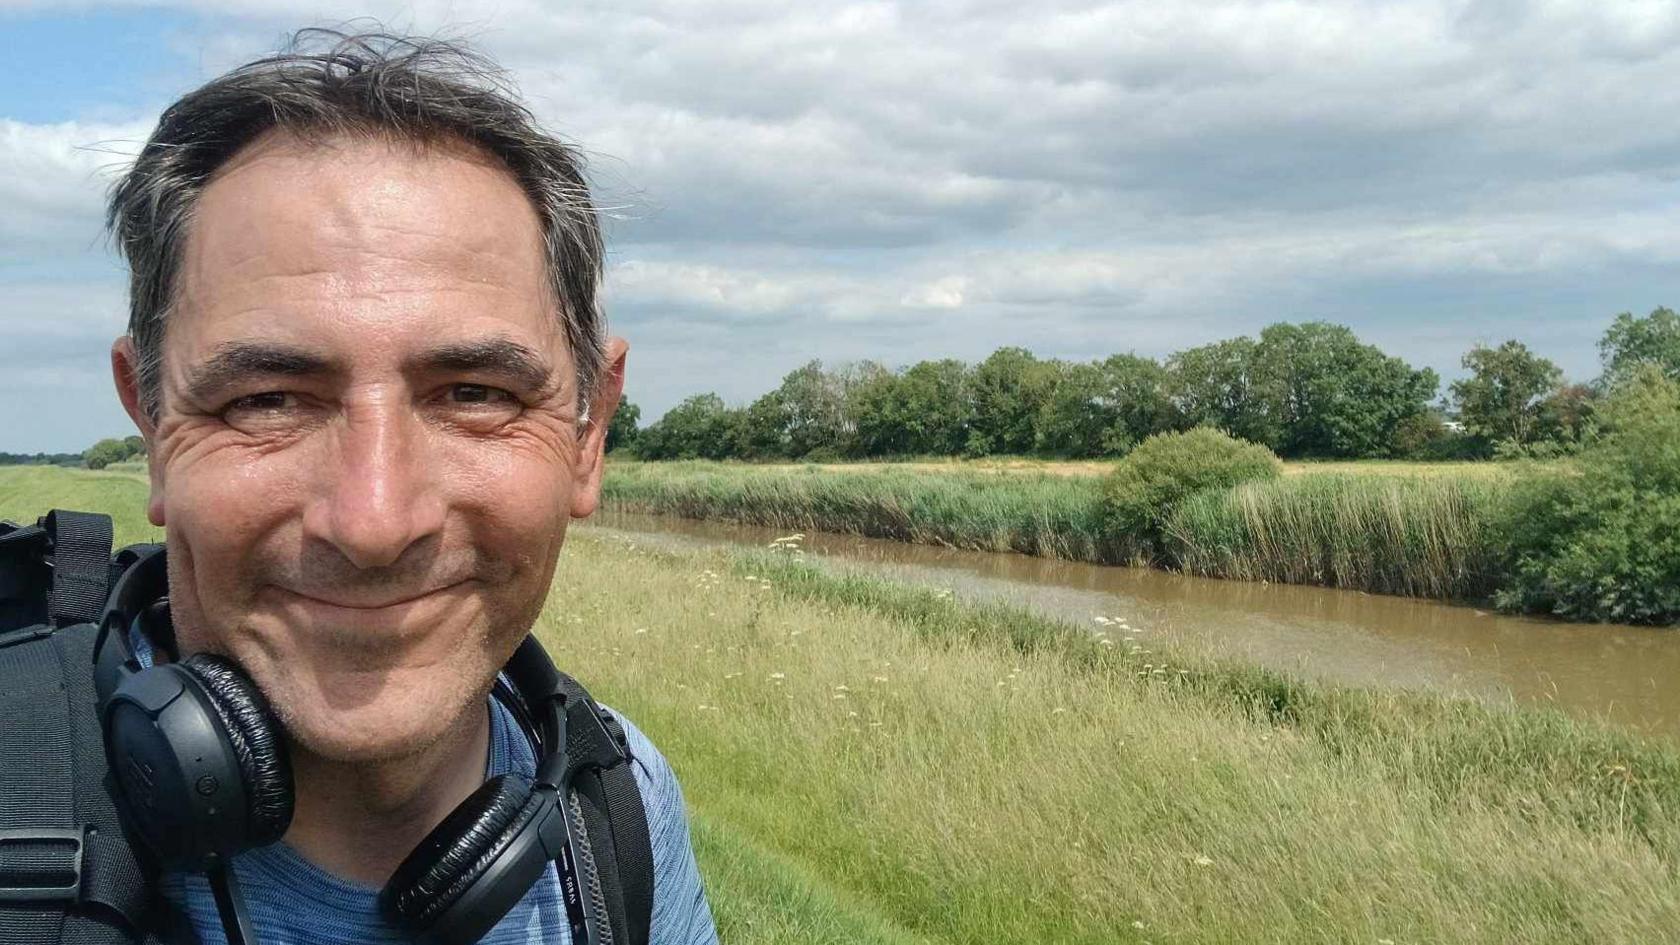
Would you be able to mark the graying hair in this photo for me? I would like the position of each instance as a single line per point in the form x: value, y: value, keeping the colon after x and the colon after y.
x: 365, y: 85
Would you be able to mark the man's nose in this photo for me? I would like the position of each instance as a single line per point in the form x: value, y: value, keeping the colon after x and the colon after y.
x: 382, y: 494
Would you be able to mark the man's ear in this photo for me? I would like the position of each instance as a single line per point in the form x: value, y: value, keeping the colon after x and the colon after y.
x: 609, y: 386
x: 125, y: 371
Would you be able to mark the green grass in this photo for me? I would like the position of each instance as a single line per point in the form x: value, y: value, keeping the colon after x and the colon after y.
x: 869, y: 762
x: 1417, y: 536
x: 1009, y: 778
x: 28, y: 492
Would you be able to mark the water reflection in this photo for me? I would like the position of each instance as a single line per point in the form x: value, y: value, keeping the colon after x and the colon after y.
x: 1616, y: 673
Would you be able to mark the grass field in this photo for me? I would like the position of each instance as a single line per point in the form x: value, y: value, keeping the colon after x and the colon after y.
x: 866, y: 762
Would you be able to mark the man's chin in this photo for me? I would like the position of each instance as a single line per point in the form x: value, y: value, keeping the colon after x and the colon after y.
x: 351, y: 719
x: 371, y: 735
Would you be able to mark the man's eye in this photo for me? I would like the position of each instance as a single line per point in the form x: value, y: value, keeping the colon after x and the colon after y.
x: 479, y: 394
x: 268, y: 400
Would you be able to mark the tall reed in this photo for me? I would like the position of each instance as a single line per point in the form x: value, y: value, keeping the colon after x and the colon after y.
x: 1422, y: 537
x: 1048, y: 516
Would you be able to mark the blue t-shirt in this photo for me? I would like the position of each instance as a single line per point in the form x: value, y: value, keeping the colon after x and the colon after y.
x: 291, y: 901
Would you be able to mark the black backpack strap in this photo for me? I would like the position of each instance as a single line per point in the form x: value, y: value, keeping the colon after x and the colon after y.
x: 67, y: 871
x: 68, y: 874
x: 616, y: 821
x: 631, y: 843
x: 81, y: 551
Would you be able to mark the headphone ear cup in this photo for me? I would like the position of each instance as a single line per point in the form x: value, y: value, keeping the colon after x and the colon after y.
x: 258, y: 744
x: 458, y: 853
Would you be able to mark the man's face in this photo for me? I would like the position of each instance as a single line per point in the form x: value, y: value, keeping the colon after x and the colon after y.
x: 368, y: 448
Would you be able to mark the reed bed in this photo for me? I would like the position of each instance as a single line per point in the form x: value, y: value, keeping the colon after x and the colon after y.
x: 1417, y: 536
x: 1044, y: 515
x: 1413, y: 535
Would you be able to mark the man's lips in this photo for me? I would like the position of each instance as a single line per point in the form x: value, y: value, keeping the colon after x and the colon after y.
x: 363, y: 602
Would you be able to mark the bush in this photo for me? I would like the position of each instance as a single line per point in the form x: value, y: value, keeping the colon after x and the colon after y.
x: 1600, y: 539
x: 1165, y: 469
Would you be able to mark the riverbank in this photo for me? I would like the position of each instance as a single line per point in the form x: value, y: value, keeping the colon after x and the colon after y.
x: 1417, y: 532
x: 868, y: 762
x: 1616, y: 674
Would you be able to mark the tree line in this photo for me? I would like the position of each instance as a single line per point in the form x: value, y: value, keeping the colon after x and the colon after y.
x: 1307, y: 390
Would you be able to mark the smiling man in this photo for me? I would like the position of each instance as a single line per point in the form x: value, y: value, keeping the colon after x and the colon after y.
x: 366, y: 353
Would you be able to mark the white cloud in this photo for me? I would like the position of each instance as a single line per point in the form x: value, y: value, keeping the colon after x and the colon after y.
x: 52, y: 179
x: 944, y: 177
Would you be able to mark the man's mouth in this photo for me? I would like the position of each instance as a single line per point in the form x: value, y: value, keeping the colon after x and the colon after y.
x: 344, y: 600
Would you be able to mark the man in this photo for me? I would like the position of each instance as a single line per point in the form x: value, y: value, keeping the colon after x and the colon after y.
x: 366, y: 354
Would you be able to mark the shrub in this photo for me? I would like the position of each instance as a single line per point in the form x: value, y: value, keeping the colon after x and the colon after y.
x: 1164, y: 470
x: 1600, y: 539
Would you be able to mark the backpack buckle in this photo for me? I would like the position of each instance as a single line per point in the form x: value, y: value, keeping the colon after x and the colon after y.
x: 49, y: 859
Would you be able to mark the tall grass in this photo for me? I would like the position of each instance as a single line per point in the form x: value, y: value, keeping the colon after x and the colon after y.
x: 1049, y: 516
x: 1414, y: 535
x: 880, y: 762
x: 1420, y: 536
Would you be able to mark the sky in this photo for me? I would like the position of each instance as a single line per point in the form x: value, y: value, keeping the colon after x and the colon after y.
x: 899, y: 181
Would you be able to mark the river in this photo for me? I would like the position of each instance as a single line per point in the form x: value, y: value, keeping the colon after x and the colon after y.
x: 1619, y: 674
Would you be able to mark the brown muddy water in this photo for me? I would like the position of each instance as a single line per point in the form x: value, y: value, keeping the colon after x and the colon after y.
x: 1623, y: 675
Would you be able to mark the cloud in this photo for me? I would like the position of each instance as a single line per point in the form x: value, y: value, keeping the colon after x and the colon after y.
x: 51, y: 183
x: 906, y: 180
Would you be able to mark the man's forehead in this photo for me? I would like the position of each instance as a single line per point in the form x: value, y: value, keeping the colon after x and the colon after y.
x: 352, y: 203
x: 365, y: 233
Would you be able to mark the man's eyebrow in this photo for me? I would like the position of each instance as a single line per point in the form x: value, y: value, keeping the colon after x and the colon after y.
x: 500, y: 357
x: 239, y: 360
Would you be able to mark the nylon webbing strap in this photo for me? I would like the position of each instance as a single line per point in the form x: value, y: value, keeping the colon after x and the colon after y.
x: 36, y: 782
x: 631, y: 844
x: 617, y: 824
x: 61, y: 845
x: 597, y: 822
x: 115, y: 892
x: 81, y: 565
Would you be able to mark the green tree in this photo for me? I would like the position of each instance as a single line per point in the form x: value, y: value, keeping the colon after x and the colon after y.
x: 923, y: 410
x: 1007, y: 390
x: 1103, y: 408
x: 698, y: 428
x: 1138, y: 392
x: 104, y: 453
x: 1075, y: 419
x: 1500, y: 400
x: 621, y: 429
x: 1568, y: 416
x: 1599, y: 538
x: 1326, y: 394
x: 1214, y: 385
x: 812, y: 405
x: 134, y: 447
x: 1630, y: 342
x: 760, y: 430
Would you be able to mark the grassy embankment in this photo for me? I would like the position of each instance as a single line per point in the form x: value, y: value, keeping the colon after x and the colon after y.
x: 866, y: 762
x: 1402, y: 528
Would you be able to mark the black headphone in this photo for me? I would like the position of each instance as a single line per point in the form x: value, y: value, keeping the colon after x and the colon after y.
x: 202, y: 774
